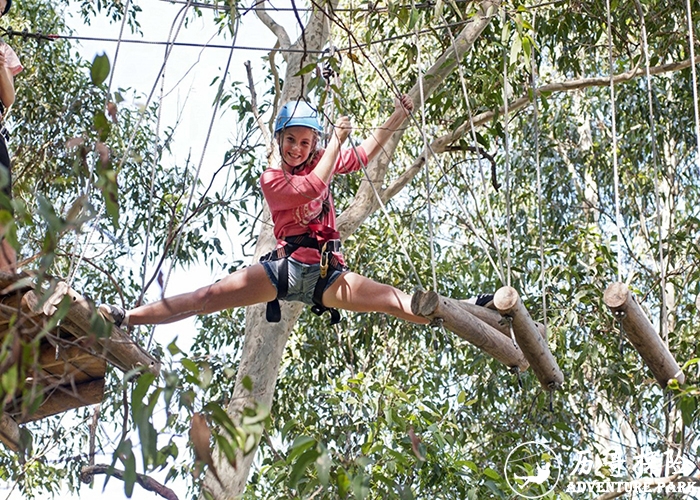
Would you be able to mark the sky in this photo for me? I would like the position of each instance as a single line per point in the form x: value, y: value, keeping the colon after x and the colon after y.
x: 189, y: 95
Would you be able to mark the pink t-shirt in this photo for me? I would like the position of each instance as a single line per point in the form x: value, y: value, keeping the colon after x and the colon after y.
x: 296, y: 200
x: 11, y: 60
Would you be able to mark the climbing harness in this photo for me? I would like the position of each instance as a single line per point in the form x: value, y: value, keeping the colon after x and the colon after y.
x: 327, y: 242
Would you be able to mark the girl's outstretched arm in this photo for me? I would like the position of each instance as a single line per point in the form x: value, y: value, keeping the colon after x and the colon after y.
x: 380, y: 136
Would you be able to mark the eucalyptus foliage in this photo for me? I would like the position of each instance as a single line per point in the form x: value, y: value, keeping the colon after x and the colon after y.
x: 375, y: 407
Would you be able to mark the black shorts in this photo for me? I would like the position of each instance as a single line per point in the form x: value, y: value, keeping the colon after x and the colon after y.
x: 5, y: 162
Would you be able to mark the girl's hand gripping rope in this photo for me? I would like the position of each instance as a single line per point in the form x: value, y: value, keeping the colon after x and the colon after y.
x: 403, y: 103
x: 341, y: 131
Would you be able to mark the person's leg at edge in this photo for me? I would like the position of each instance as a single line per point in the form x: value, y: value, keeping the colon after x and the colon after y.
x: 245, y: 287
x: 354, y: 292
x: 8, y: 255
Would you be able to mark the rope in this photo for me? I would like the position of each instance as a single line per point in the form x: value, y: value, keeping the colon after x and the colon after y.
x: 156, y: 157
x: 506, y: 146
x: 538, y: 166
x: 616, y: 174
x: 185, y: 215
x: 426, y: 168
x: 75, y: 264
x: 151, y: 191
x: 498, y: 268
x: 456, y: 196
x: 659, y: 217
x: 691, y: 42
x: 402, y: 246
x: 404, y: 251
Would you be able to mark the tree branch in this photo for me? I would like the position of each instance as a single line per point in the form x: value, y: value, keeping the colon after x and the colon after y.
x: 364, y: 202
x: 147, y: 483
x: 441, y: 144
x: 277, y: 29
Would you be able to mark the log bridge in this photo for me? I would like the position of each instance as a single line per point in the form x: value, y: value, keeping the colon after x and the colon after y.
x: 490, y: 331
x: 60, y: 364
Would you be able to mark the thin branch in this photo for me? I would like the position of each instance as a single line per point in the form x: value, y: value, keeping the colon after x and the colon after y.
x: 146, y: 482
x: 484, y: 155
x: 441, y: 144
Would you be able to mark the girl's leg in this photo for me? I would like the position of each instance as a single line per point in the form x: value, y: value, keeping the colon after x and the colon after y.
x: 244, y: 287
x: 354, y: 292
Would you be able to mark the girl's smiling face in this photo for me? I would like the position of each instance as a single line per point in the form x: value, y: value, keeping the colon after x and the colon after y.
x: 296, y: 144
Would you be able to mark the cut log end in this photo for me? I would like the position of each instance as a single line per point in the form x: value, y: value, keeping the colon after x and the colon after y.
x: 616, y: 295
x: 506, y: 299
x: 424, y: 303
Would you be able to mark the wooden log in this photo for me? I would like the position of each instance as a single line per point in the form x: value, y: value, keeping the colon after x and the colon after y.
x: 641, y: 334
x: 66, y: 397
x: 494, y: 318
x: 456, y: 319
x: 70, y: 360
x: 534, y: 347
x: 118, y: 348
x: 9, y: 432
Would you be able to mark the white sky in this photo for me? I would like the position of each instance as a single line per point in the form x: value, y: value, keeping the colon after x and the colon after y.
x: 188, y: 76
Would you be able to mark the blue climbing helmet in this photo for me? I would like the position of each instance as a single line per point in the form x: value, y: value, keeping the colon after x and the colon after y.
x: 297, y: 114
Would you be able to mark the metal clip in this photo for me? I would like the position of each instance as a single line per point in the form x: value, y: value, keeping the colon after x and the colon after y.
x: 324, y: 261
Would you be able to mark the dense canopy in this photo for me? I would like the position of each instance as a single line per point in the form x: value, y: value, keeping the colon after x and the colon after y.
x: 554, y: 148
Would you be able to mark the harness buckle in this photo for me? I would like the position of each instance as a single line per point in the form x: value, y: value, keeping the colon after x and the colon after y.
x: 324, y: 261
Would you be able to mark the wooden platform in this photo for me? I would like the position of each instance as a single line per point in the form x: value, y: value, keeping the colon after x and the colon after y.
x: 54, y: 353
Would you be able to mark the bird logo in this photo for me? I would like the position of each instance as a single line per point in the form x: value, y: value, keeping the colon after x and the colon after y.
x: 542, y: 474
x: 532, y: 470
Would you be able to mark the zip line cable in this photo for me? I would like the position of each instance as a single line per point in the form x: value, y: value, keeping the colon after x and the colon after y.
x: 372, y: 9
x: 616, y: 173
x: 349, y: 48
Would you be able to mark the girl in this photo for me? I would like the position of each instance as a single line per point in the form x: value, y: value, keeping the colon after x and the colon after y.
x: 307, y: 264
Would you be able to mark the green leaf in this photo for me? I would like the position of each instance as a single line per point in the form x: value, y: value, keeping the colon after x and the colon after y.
x: 101, y: 124
x: 489, y: 472
x: 323, y: 468
x: 99, y: 71
x: 687, y: 407
x: 307, y: 69
x: 300, y: 445
x: 305, y: 459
